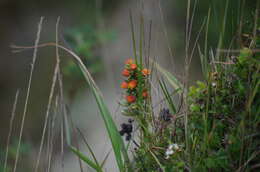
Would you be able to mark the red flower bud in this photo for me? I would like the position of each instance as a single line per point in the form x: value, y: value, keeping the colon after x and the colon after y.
x: 146, y: 72
x: 145, y: 94
x: 132, y: 84
x: 129, y: 61
x: 126, y: 73
x: 133, y: 66
x: 130, y: 98
x: 124, y: 85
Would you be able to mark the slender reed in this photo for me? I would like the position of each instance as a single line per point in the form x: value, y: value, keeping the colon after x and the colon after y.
x: 54, y: 80
x: 11, y: 128
x: 28, y: 91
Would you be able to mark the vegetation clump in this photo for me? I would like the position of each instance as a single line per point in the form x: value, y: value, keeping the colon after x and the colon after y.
x: 223, y: 121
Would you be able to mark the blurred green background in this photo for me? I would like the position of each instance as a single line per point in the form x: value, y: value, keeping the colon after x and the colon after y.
x: 98, y: 31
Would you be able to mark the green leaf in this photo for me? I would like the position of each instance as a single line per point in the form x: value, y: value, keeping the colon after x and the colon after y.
x: 85, y: 159
x: 167, y: 96
x: 171, y: 78
x: 115, y: 138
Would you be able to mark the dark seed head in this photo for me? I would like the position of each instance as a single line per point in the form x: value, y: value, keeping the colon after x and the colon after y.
x: 123, y: 126
x: 128, y: 137
x: 126, y: 129
x: 130, y: 120
x: 165, y: 115
x: 129, y: 128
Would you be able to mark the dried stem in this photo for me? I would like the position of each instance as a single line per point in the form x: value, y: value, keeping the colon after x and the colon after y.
x: 11, y: 128
x: 54, y: 79
x: 28, y: 91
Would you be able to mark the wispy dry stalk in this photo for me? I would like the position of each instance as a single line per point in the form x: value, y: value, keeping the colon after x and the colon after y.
x: 28, y: 91
x: 62, y: 143
x: 10, y: 128
x: 62, y: 101
x: 196, y: 42
x: 54, y: 80
x: 77, y: 59
x: 56, y: 111
x: 255, y: 24
x: 86, y: 73
x: 165, y: 31
x: 186, y: 74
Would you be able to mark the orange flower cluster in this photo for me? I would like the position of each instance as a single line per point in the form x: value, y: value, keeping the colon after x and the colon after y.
x: 131, y: 71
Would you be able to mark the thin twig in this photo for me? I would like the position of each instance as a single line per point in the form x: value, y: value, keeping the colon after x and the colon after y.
x: 54, y: 79
x: 78, y: 60
x: 255, y: 24
x: 28, y: 91
x: 196, y: 42
x: 52, y: 133
x: 62, y: 143
x: 10, y: 128
x: 63, y: 108
x: 191, y: 22
x: 165, y: 31
x: 186, y: 76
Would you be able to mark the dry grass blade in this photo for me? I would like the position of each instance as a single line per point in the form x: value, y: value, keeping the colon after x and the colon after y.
x: 28, y: 91
x: 133, y: 34
x: 54, y: 80
x: 186, y: 76
x: 11, y: 128
x: 196, y: 42
x: 165, y: 30
x: 52, y: 133
x: 62, y: 145
x: 255, y: 24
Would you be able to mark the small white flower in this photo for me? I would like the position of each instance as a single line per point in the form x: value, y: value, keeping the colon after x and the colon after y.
x: 175, y: 146
x: 168, y: 153
x: 214, y: 84
x: 170, y: 147
x: 171, y: 150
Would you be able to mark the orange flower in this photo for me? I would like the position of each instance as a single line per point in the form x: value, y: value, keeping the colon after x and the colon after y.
x: 146, y: 72
x: 145, y: 94
x: 132, y: 84
x: 129, y: 61
x: 126, y: 73
x: 130, y: 98
x: 133, y: 66
x: 124, y: 85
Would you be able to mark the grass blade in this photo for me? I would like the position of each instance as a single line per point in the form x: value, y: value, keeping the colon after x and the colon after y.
x: 88, y: 146
x: 85, y: 159
x: 105, y: 159
x: 115, y: 138
x: 133, y: 34
x: 28, y: 91
x: 171, y: 78
x: 11, y: 128
x: 167, y: 96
